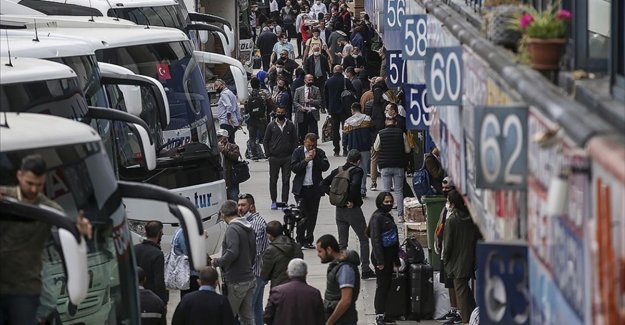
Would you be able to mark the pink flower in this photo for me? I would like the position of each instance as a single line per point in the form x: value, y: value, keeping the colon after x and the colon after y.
x: 563, y: 14
x: 526, y: 20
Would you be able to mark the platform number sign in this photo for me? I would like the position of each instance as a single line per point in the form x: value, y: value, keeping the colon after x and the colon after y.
x: 443, y: 75
x: 395, y: 11
x: 503, y: 283
x: 417, y: 111
x: 416, y: 42
x: 501, y: 147
x: 395, y: 69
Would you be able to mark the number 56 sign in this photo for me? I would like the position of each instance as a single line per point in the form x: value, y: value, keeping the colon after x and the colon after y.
x: 501, y: 147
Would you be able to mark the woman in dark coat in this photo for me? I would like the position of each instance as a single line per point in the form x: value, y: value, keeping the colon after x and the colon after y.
x: 385, y: 250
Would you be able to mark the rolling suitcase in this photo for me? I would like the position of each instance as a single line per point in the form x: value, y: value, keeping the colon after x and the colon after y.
x: 421, y: 291
x: 397, y: 301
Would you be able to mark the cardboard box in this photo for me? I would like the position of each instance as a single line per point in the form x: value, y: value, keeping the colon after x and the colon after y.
x: 414, y: 211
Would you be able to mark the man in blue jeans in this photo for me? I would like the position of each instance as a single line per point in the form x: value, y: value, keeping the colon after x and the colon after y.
x: 392, y: 148
x: 238, y: 255
x: 247, y: 211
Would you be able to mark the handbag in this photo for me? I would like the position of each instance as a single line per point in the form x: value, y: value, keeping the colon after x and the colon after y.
x: 326, y: 130
x: 177, y: 270
x: 389, y: 238
x: 240, y: 171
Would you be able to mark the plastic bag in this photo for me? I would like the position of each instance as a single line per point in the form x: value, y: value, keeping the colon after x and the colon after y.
x: 441, y: 297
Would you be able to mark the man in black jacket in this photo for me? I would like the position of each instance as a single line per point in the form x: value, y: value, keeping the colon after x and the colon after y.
x: 308, y: 162
x: 280, y: 140
x: 265, y: 43
x: 333, y: 89
x: 150, y: 258
x: 351, y: 214
x: 153, y: 309
x: 204, y: 306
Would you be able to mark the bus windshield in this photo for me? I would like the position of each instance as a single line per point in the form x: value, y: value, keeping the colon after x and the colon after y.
x: 80, y: 177
x: 164, y: 16
x: 175, y: 67
x: 60, y: 97
x: 86, y: 67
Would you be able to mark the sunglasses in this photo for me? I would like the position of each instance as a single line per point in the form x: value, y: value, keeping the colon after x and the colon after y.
x: 245, y: 196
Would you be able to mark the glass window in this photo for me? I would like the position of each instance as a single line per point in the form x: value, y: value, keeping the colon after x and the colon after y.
x: 165, y: 16
x: 599, y: 28
x: 86, y: 67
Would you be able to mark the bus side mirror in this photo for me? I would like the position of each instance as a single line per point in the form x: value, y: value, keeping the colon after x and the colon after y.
x: 137, y: 125
x: 75, y: 260
x: 185, y: 213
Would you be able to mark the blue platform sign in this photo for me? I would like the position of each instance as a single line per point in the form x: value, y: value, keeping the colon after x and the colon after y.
x: 417, y: 111
x: 394, y: 12
x: 503, y: 283
x: 500, y: 147
x: 416, y: 40
x: 443, y: 75
x: 395, y: 68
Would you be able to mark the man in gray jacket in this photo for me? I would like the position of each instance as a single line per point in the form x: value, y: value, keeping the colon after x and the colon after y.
x: 238, y: 254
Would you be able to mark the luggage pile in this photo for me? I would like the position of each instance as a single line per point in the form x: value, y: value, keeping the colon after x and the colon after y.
x: 412, y: 294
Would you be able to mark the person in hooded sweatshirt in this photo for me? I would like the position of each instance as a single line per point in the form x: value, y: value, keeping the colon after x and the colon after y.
x: 280, y: 252
x: 460, y: 236
x: 236, y: 261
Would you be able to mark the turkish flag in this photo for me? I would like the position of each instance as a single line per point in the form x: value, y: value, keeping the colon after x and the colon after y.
x: 163, y: 71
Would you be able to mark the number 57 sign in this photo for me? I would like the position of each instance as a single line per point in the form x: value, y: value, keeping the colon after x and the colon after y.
x: 501, y: 147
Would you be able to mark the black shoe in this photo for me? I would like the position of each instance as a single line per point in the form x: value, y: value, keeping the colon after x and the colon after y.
x: 455, y: 320
x: 450, y: 315
x: 368, y: 274
x: 309, y: 246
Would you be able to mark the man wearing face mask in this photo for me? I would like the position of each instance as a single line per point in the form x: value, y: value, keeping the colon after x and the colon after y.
x: 391, y: 111
x: 306, y: 104
x: 453, y: 314
x: 280, y: 140
x: 247, y: 211
x: 354, y: 61
x: 282, y: 96
x: 281, y: 45
x: 150, y: 258
x: 288, y: 14
x: 315, y: 41
x: 377, y: 118
x: 317, y: 65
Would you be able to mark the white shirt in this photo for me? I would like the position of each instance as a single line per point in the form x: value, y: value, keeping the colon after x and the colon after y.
x: 273, y: 6
x: 308, y: 177
x: 316, y: 9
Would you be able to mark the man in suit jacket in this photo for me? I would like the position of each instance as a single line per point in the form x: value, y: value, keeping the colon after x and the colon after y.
x: 295, y: 302
x: 307, y: 163
x: 317, y: 65
x: 204, y: 306
x: 306, y: 105
x: 334, y: 87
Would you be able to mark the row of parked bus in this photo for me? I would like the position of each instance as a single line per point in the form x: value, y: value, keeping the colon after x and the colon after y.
x: 114, y: 97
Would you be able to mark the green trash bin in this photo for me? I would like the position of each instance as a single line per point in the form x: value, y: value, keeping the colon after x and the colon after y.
x: 433, y: 205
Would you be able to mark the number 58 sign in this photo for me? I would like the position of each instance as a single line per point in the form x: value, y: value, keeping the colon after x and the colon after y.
x: 501, y: 147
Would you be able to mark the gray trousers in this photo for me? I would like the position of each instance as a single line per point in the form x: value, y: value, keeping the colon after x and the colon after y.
x: 356, y: 219
x: 240, y: 297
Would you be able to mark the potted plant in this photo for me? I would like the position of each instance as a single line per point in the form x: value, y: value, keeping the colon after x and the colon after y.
x: 545, y: 33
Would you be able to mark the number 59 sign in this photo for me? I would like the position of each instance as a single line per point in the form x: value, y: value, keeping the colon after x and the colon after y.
x: 501, y: 147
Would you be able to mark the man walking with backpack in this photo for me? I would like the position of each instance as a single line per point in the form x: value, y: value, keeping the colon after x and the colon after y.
x: 256, y: 108
x: 344, y: 191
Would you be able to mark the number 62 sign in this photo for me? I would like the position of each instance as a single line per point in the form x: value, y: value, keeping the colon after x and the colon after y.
x: 501, y: 147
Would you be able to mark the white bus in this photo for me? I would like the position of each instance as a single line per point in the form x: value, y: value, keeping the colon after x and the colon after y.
x: 80, y: 177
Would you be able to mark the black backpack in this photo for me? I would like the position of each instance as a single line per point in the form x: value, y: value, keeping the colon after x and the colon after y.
x: 347, y: 99
x: 414, y: 251
x: 256, y: 106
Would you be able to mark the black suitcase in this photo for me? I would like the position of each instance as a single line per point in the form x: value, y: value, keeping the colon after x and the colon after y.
x: 397, y: 301
x: 421, y: 291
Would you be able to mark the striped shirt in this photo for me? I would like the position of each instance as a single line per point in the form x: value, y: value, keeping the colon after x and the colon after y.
x: 260, y: 228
